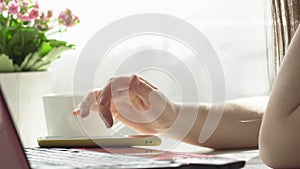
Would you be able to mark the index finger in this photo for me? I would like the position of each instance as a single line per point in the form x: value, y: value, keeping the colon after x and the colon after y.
x: 84, y: 108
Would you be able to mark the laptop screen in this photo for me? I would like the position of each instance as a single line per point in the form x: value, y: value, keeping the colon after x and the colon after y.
x: 11, y: 150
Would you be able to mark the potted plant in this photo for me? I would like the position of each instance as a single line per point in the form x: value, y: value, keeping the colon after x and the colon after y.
x: 26, y: 52
x: 24, y: 42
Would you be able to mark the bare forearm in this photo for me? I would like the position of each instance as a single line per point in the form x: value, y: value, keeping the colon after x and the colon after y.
x: 238, y: 127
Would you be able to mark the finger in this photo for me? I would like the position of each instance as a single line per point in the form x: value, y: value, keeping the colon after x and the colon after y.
x: 142, y: 89
x: 133, y: 100
x: 147, y: 83
x: 104, y: 100
x: 94, y: 108
x: 85, y: 105
x: 76, y: 112
x: 138, y: 103
x: 114, y: 86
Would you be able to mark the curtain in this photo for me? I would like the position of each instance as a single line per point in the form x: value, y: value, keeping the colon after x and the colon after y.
x: 282, y: 19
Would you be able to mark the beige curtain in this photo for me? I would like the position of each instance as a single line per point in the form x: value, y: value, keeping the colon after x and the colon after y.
x: 282, y: 20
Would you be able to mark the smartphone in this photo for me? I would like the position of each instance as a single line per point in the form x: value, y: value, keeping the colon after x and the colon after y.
x: 94, y: 142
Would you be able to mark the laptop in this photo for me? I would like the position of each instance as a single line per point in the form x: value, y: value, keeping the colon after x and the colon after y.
x: 14, y: 156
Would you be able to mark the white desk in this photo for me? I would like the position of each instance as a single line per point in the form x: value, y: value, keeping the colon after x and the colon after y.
x: 251, y: 156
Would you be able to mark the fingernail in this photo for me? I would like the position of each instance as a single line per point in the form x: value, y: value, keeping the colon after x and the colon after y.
x: 75, y: 113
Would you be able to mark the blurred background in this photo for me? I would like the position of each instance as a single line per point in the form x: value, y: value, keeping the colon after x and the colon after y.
x: 236, y: 29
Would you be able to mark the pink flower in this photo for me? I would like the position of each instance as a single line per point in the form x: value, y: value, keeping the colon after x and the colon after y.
x: 24, y: 17
x: 67, y: 18
x: 34, y: 13
x: 2, y: 6
x: 13, y: 8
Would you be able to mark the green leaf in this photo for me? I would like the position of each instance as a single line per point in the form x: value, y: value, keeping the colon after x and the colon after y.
x: 45, y: 49
x: 57, y: 43
x: 3, y: 39
x: 1, y: 47
x: 17, y: 68
x: 28, y: 36
x: 43, y: 67
x: 54, y: 54
x: 34, y: 62
x: 6, y: 64
x: 22, y: 42
x: 29, y: 61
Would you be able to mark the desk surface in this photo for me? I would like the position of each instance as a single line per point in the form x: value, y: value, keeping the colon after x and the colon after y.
x: 251, y: 156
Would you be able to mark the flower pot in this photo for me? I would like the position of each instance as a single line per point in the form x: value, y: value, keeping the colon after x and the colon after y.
x: 23, y: 92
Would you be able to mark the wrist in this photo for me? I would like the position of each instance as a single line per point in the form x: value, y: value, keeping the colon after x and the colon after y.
x: 183, y: 120
x: 168, y: 117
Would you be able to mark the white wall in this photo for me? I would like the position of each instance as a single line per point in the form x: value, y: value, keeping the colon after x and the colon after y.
x: 235, y: 28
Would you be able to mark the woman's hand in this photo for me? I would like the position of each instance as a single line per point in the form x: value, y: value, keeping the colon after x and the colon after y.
x: 132, y: 101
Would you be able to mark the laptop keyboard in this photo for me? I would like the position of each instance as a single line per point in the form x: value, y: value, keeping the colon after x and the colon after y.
x: 55, y: 158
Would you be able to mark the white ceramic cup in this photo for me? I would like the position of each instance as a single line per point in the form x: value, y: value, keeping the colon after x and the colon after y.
x: 61, y: 121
